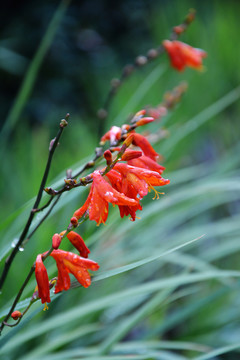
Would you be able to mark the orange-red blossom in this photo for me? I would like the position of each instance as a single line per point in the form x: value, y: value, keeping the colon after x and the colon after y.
x: 100, y: 195
x: 68, y: 262
x: 182, y: 55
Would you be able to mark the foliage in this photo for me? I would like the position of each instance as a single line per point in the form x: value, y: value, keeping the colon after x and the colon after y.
x: 168, y: 287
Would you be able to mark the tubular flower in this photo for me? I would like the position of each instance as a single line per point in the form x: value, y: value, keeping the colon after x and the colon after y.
x: 78, y: 242
x: 100, y: 195
x: 182, y: 55
x: 146, y: 163
x: 144, y: 144
x: 42, y: 280
x: 113, y: 135
x: 68, y: 262
x: 139, y: 181
x: 116, y: 180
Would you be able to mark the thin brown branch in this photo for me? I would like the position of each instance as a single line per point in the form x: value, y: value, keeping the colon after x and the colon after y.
x: 53, y: 146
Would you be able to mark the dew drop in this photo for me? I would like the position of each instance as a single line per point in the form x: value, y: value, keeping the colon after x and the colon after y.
x: 14, y: 243
x: 21, y: 248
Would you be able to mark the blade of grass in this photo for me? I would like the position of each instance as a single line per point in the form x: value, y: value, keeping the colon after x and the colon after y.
x: 106, y: 301
x: 132, y: 320
x: 219, y: 351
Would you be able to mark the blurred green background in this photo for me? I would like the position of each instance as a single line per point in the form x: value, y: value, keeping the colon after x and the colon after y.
x: 185, y: 303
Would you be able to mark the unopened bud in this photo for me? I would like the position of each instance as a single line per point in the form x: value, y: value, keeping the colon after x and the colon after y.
x: 16, y: 315
x: 115, y: 83
x: 152, y: 54
x: 128, y: 69
x: 108, y: 156
x: 50, y: 191
x: 102, y: 114
x: 56, y: 241
x: 74, y: 221
x: 178, y: 29
x: 190, y: 16
x: 90, y: 164
x: 128, y: 140
x: 70, y: 182
x: 141, y: 60
x: 69, y: 173
x: 144, y: 121
x: 131, y: 154
x: 63, y: 123
x: 52, y: 143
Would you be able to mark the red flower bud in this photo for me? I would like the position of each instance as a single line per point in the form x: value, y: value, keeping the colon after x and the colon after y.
x: 78, y: 242
x: 108, y: 156
x: 128, y: 140
x: 16, y: 315
x: 56, y: 241
x: 131, y: 154
x: 144, y: 121
x: 74, y: 221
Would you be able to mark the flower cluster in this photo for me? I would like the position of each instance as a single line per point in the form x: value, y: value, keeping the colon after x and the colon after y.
x: 124, y: 182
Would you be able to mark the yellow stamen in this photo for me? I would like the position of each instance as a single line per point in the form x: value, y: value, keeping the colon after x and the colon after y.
x: 45, y: 307
x: 157, y: 193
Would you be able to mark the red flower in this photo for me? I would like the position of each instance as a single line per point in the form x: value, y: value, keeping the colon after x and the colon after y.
x: 182, y: 55
x: 68, y: 262
x: 100, y: 195
x: 146, y: 163
x: 144, y: 144
x: 113, y: 135
x: 42, y: 280
x: 78, y: 242
x: 116, y: 180
x: 138, y: 181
